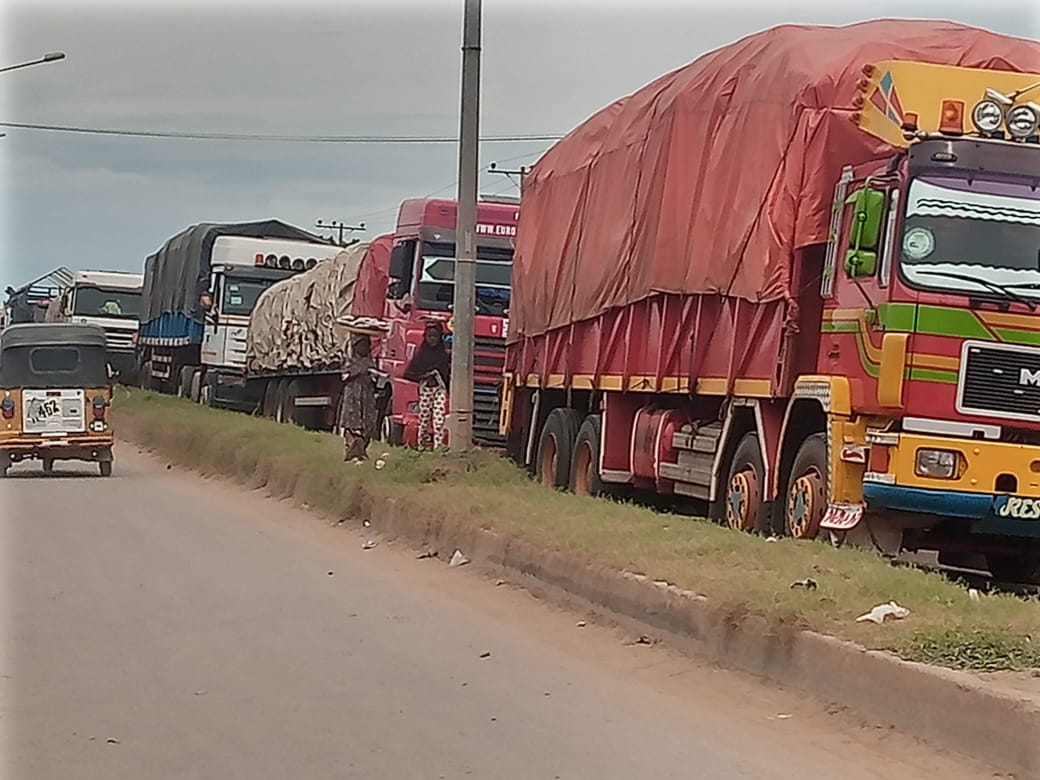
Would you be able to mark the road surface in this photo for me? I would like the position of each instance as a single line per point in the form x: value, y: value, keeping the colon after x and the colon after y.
x: 158, y: 625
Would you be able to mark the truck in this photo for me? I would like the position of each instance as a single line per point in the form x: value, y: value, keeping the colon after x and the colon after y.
x: 110, y: 300
x: 29, y: 302
x: 421, y: 289
x: 813, y: 306
x: 199, y: 290
x: 296, y: 342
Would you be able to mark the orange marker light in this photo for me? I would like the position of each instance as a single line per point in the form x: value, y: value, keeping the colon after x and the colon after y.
x: 952, y: 117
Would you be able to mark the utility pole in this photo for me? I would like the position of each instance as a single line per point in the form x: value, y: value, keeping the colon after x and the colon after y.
x: 341, y: 227
x: 520, y: 172
x: 461, y: 431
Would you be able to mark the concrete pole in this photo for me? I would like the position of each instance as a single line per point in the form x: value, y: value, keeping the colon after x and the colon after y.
x: 461, y: 431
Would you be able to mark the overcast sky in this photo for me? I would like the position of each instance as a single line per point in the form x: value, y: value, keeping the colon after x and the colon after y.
x: 343, y: 68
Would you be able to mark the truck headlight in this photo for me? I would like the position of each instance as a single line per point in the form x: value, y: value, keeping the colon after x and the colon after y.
x: 1022, y: 121
x: 936, y: 464
x: 987, y: 116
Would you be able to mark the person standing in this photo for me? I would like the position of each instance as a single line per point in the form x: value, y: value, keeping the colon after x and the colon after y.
x: 358, y: 415
x: 430, y: 368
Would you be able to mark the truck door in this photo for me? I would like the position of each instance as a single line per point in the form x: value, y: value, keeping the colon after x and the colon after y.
x: 212, y: 334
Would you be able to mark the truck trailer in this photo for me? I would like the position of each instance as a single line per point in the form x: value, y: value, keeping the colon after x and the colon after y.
x: 112, y: 301
x: 199, y: 290
x: 797, y: 280
x: 296, y: 342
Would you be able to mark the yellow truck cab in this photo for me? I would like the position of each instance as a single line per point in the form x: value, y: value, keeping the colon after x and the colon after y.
x: 55, y: 395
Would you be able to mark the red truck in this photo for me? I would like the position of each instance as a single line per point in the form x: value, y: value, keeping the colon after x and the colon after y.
x: 422, y: 272
x: 294, y: 346
x: 798, y: 280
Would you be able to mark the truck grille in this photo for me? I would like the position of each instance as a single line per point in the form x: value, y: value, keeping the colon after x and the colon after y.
x: 119, y: 340
x: 53, y: 412
x: 489, y: 355
x: 1000, y: 382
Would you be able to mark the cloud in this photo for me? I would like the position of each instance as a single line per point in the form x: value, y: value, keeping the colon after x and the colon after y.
x: 333, y: 68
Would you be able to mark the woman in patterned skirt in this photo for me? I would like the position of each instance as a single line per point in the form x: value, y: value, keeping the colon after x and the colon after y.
x: 430, y: 368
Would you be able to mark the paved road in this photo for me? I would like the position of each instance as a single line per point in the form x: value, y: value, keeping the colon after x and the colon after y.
x: 161, y: 626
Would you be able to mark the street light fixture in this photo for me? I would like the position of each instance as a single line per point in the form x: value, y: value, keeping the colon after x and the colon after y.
x: 51, y: 56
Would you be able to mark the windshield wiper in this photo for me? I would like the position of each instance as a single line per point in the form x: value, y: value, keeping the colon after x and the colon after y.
x: 1000, y: 289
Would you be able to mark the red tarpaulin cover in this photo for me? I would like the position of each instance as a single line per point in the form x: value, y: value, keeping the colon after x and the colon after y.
x: 707, y: 179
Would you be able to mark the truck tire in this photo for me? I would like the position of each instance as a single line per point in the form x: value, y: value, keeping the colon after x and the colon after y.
x: 556, y: 448
x: 195, y: 390
x: 742, y: 494
x: 281, y: 399
x: 184, y: 382
x: 585, y: 478
x: 805, y: 499
x: 270, y: 403
x: 207, y: 390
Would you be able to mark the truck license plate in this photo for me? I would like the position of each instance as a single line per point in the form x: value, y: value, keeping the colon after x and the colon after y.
x: 1017, y: 507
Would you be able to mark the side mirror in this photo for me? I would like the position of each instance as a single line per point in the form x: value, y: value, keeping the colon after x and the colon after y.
x: 868, y: 208
x: 401, y: 261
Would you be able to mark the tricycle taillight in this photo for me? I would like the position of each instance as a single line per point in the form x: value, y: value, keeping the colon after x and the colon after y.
x: 99, y: 404
x: 7, y: 407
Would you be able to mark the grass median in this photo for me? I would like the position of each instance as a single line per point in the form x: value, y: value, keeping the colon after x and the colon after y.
x: 740, y: 574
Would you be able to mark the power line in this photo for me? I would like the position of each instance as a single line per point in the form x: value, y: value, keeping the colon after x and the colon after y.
x: 315, y: 139
x: 393, y: 209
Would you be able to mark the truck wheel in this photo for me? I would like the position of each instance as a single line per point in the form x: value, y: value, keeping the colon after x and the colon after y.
x: 743, y: 495
x: 1021, y: 568
x: 556, y: 448
x: 184, y: 382
x: 207, y: 391
x: 270, y: 402
x: 585, y: 478
x: 195, y: 388
x: 806, y: 497
x: 281, y: 402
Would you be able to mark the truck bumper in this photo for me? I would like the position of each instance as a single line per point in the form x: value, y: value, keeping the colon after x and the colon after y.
x: 995, y: 485
x: 92, y: 448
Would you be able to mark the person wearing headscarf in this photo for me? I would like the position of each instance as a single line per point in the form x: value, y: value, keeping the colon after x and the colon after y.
x: 358, y: 415
x: 430, y: 368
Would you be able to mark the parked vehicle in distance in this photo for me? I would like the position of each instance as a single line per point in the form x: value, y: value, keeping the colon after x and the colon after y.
x: 296, y: 343
x: 111, y: 300
x: 815, y: 306
x: 199, y: 290
x: 422, y: 285
x: 55, y: 393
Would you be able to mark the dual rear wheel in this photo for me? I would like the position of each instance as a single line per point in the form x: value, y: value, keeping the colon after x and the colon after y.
x: 568, y: 453
x: 802, y: 503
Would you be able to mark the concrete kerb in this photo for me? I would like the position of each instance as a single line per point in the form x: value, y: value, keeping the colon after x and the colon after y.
x: 945, y: 707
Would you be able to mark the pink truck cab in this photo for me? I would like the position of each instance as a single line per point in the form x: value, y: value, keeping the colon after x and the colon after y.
x: 421, y: 289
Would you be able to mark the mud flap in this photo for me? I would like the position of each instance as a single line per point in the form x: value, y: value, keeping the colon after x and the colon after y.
x: 842, y: 517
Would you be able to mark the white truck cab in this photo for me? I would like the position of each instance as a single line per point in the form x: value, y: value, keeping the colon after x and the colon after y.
x: 110, y: 300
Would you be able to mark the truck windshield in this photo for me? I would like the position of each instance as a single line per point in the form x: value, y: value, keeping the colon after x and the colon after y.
x: 99, y: 302
x: 437, y: 285
x: 240, y: 295
x: 981, y: 235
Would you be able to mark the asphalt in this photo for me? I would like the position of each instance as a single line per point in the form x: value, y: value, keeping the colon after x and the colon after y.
x: 159, y: 625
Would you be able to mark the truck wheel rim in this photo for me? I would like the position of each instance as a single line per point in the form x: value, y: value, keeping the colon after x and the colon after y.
x: 742, y: 501
x: 805, y: 505
x: 549, y: 458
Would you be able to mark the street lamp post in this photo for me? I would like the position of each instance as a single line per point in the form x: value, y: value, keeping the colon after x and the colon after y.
x: 51, y: 56
x: 463, y: 310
